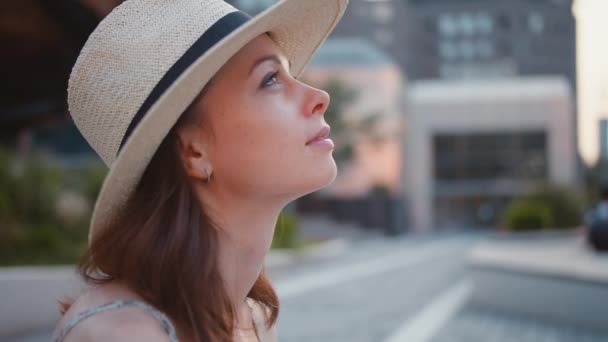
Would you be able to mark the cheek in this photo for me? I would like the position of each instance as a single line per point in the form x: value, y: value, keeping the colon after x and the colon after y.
x: 264, y: 151
x: 268, y: 146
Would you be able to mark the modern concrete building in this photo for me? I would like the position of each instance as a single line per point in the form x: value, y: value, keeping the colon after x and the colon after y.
x: 474, y: 145
x: 394, y: 28
x: 475, y: 39
x: 493, y: 38
x: 463, y: 38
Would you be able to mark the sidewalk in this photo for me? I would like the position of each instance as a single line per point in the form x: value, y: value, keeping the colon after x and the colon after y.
x: 566, y: 256
x: 473, y: 324
x: 556, y: 278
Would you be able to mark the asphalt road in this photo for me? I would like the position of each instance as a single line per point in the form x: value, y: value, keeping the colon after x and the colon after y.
x: 411, y: 289
x: 370, y: 291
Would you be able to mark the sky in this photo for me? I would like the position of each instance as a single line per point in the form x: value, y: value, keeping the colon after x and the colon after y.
x: 592, y: 70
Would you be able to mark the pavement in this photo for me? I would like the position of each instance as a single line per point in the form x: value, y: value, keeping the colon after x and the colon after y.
x: 369, y: 292
x: 556, y: 278
x: 565, y: 255
x: 473, y: 324
x: 413, y: 288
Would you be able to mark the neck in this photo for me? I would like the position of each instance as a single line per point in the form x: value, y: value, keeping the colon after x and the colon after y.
x: 246, y: 227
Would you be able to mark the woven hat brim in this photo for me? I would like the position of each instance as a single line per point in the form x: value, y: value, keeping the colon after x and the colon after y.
x: 299, y: 27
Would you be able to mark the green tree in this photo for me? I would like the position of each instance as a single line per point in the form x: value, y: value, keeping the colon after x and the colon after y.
x: 549, y: 206
x: 35, y: 192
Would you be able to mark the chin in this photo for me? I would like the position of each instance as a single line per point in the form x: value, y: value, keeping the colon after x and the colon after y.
x: 334, y: 173
x: 324, y: 177
x: 315, y: 180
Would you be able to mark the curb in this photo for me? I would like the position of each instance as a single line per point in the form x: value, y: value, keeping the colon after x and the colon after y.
x: 567, y: 257
x: 555, y: 279
x: 537, y: 235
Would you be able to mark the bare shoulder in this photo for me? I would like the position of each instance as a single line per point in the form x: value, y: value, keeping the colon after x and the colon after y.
x: 260, y: 312
x: 100, y: 328
x: 127, y: 323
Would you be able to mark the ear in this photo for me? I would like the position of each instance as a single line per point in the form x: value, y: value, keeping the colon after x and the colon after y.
x: 193, y: 154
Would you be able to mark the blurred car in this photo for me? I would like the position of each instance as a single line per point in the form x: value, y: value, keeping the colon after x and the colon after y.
x: 596, y: 221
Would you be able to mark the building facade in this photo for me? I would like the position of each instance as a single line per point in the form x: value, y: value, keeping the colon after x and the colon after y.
x: 472, y: 146
x: 491, y: 39
x: 481, y: 38
x: 393, y: 27
x: 463, y: 38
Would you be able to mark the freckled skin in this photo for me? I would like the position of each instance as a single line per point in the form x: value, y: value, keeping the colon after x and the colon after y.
x: 261, y: 131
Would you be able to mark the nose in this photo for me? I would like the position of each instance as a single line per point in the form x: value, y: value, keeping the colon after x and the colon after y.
x: 317, y: 101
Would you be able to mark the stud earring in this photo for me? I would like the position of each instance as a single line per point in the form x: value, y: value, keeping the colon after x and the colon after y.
x: 208, y: 176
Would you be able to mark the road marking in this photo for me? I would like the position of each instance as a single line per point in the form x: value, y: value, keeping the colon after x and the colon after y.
x: 298, y: 285
x: 425, y: 324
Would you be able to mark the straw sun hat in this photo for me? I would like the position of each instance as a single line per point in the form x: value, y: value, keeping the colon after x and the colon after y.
x: 147, y: 61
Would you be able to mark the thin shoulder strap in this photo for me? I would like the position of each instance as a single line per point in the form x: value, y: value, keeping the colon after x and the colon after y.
x: 165, y: 322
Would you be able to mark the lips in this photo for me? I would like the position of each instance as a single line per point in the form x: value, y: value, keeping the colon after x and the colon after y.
x: 323, y: 133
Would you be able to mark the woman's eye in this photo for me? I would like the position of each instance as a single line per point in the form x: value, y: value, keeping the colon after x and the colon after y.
x: 270, y: 79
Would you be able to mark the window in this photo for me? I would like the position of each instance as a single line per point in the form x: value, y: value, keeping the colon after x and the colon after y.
x: 447, y: 50
x: 383, y: 36
x: 447, y: 24
x: 467, y: 24
x: 504, y: 22
x: 485, y: 49
x: 429, y: 25
x: 486, y: 156
x: 485, y: 24
x: 382, y: 12
x: 536, y: 23
x: 467, y: 49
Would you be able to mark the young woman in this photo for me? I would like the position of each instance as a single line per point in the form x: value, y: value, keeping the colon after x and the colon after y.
x: 197, y: 110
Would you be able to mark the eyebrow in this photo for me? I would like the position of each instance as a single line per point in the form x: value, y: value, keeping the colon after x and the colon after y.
x: 263, y: 59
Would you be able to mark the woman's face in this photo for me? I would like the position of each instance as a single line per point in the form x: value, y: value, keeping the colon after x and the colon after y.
x: 261, y: 119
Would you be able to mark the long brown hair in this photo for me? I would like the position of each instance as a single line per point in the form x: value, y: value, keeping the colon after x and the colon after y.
x: 164, y: 247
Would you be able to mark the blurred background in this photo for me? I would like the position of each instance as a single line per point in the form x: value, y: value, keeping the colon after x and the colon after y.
x: 471, y: 202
